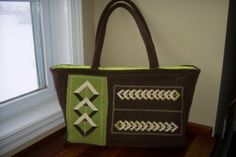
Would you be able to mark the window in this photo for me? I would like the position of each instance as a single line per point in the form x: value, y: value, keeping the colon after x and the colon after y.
x: 55, y: 37
x: 21, y: 52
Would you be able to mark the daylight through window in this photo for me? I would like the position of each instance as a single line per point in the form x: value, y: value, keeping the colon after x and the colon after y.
x: 19, y: 64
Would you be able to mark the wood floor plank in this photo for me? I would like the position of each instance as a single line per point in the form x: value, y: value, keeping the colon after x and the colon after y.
x: 72, y: 150
x: 195, y: 148
x: 208, y: 146
x: 101, y: 151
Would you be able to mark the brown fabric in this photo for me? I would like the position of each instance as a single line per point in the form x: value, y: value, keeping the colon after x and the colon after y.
x: 184, y: 79
x: 171, y: 114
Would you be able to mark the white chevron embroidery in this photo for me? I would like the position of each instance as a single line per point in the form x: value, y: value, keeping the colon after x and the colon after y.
x: 120, y: 125
x: 86, y: 84
x: 137, y: 94
x: 84, y: 102
x: 85, y: 117
x: 127, y: 125
x: 148, y: 94
x: 156, y: 126
x: 145, y: 126
x: 133, y: 126
x: 174, y: 126
x: 120, y: 94
x: 150, y: 126
x: 138, y: 126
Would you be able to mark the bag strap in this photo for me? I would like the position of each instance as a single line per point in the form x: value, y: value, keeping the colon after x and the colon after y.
x: 135, y: 8
x: 124, y: 1
x: 143, y: 28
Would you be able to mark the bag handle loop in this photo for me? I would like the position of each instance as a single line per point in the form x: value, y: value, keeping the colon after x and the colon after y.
x: 143, y: 28
x: 132, y: 5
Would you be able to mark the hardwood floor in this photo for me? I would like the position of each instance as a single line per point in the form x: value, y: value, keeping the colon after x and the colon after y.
x: 200, y: 144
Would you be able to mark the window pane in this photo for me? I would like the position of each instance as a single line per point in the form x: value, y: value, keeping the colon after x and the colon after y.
x: 17, y: 53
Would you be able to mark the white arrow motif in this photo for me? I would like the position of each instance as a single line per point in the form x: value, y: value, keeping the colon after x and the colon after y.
x: 167, y: 95
x: 150, y: 126
x: 145, y: 126
x: 138, y: 94
x: 85, y: 101
x: 120, y: 125
x: 139, y: 126
x: 156, y: 126
x: 155, y: 94
x: 161, y: 95
x: 131, y: 94
x: 162, y: 126
x: 148, y: 94
x: 85, y: 117
x: 125, y: 94
x: 86, y: 84
x: 143, y: 94
x: 175, y: 127
x: 174, y: 95
x: 120, y: 94
x: 168, y: 127
x: 133, y: 126
x: 127, y: 125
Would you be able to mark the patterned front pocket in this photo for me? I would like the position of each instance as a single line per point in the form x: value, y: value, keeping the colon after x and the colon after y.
x: 87, y: 109
x: 147, y: 110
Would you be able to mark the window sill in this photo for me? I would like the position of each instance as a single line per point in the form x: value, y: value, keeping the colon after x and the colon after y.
x: 18, y: 130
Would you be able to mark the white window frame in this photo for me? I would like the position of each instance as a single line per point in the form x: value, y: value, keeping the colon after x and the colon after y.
x: 35, y: 115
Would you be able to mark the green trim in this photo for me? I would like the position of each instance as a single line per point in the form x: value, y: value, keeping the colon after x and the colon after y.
x: 69, y: 66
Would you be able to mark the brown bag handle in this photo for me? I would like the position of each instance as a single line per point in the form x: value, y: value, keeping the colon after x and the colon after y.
x: 135, y: 8
x: 124, y: 1
x: 143, y: 28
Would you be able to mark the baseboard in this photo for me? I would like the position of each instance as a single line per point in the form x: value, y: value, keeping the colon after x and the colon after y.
x: 195, y: 128
x: 28, y: 136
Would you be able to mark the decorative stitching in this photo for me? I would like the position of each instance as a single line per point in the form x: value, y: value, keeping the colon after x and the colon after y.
x: 148, y: 94
x: 148, y: 126
x: 178, y: 132
x: 85, y: 118
x: 85, y: 102
x: 88, y: 85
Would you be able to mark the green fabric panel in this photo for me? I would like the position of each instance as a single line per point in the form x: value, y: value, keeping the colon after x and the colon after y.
x: 68, y: 66
x: 99, y: 117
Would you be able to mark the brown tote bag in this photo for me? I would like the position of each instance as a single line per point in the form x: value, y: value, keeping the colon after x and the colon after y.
x: 125, y: 106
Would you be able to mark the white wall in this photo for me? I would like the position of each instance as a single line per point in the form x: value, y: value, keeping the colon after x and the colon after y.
x: 184, y: 32
x: 88, y: 28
